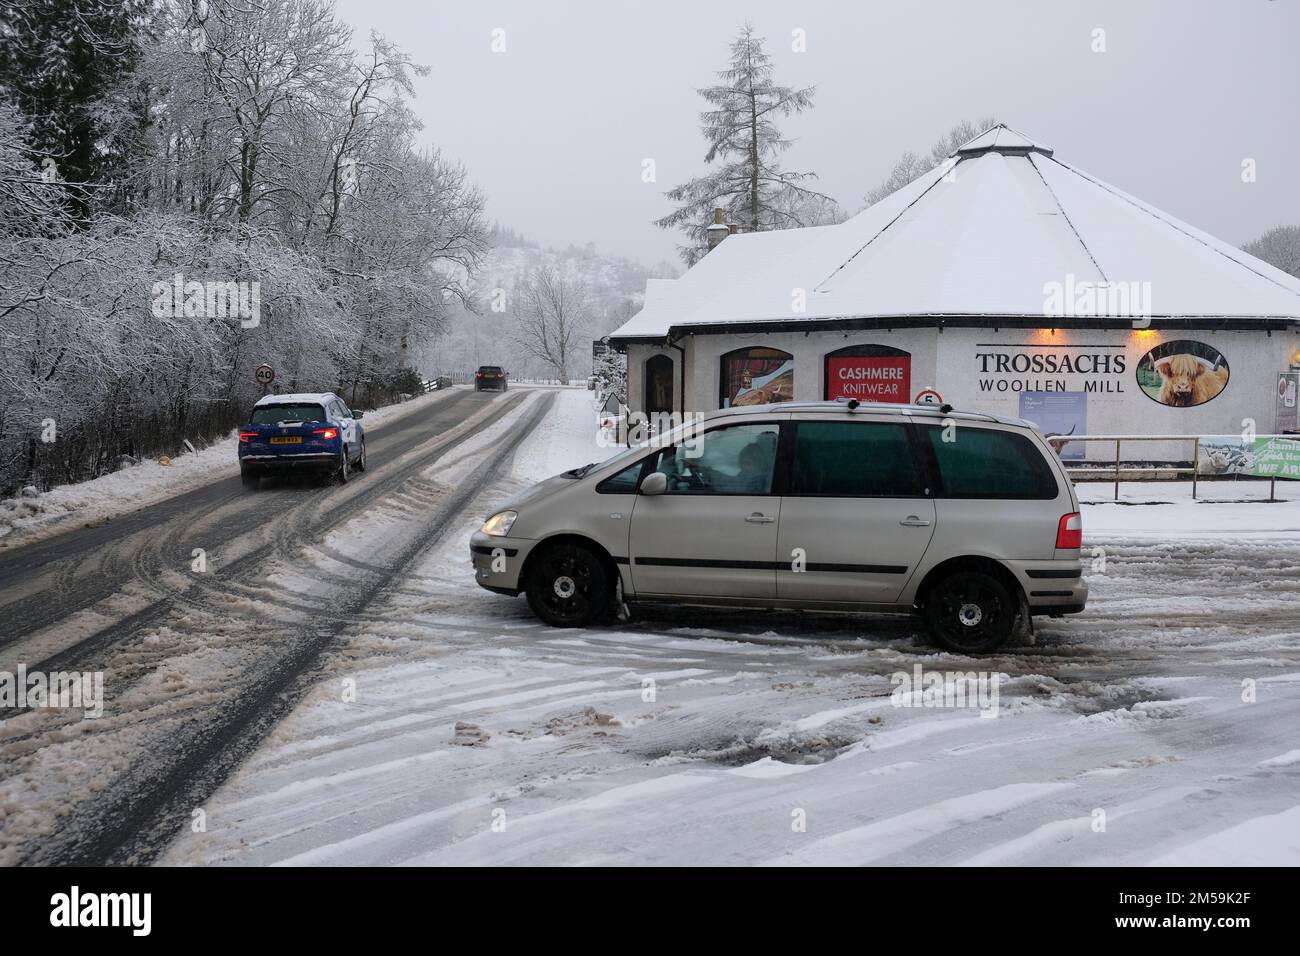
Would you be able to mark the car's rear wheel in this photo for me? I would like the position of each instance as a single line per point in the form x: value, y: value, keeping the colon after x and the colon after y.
x: 250, y: 478
x: 567, y: 586
x: 345, y: 468
x: 970, y: 612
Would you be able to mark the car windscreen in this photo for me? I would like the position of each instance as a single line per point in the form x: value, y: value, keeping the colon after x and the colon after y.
x: 286, y: 412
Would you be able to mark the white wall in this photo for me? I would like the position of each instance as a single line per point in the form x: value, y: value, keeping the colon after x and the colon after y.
x: 704, y: 354
x: 1115, y: 403
x: 953, y: 361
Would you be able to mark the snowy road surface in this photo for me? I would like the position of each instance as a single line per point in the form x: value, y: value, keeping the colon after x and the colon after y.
x: 421, y: 720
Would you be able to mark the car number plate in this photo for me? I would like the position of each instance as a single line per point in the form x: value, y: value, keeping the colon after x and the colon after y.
x: 293, y: 440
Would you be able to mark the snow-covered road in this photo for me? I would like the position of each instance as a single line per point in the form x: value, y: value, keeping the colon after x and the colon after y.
x: 206, y: 616
x: 449, y: 727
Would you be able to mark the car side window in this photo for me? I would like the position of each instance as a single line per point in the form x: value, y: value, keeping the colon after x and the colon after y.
x: 735, y: 460
x: 984, y: 463
x: 623, y: 482
x: 854, y: 460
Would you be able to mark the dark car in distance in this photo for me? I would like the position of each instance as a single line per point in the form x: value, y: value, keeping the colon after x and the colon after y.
x: 490, y: 377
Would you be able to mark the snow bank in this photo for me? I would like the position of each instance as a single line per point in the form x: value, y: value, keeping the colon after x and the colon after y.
x: 565, y: 439
x: 1166, y: 509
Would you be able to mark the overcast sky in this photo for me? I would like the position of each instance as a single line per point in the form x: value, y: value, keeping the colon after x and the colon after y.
x: 555, y: 128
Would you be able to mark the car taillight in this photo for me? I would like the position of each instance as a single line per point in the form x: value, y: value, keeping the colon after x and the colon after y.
x: 326, y: 433
x: 1069, y: 533
x: 478, y: 374
x: 245, y: 436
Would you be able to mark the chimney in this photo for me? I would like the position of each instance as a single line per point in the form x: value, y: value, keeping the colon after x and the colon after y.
x: 719, y: 230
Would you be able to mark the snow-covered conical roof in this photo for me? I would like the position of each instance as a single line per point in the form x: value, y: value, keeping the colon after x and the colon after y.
x: 1003, y: 139
x: 979, y: 238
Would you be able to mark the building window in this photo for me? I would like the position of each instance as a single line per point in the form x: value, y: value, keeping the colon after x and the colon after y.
x: 756, y: 376
x: 658, y: 385
x: 869, y: 373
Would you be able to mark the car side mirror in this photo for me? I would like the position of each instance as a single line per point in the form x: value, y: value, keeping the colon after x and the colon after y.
x: 358, y: 415
x: 655, y: 483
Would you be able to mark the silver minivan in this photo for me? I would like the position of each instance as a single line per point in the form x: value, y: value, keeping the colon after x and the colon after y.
x: 967, y: 519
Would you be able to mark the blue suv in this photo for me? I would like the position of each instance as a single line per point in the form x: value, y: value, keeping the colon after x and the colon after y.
x: 313, y: 431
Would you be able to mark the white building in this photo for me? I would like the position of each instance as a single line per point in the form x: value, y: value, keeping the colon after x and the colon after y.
x: 1007, y: 281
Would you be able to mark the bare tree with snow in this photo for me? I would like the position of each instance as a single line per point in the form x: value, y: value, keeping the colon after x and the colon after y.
x: 553, y: 319
x: 273, y: 155
x: 1278, y: 247
x: 910, y: 165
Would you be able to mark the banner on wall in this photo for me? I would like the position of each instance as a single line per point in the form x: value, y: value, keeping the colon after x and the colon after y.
x: 1257, y: 458
x: 1058, y: 415
x: 1287, y: 417
x: 756, y: 376
x: 1182, y: 373
x: 869, y: 373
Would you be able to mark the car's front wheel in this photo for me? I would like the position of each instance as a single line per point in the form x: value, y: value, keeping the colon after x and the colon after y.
x: 970, y: 612
x: 344, y: 471
x: 567, y: 586
x: 361, y: 458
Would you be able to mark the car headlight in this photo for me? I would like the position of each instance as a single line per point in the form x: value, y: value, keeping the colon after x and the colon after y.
x: 500, y: 523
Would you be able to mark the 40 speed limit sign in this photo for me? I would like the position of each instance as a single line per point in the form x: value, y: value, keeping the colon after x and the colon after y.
x: 264, y: 375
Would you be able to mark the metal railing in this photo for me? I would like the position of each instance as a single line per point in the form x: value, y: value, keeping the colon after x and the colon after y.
x: 1152, y: 470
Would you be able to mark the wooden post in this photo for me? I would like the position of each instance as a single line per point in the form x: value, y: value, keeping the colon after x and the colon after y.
x: 1117, y: 469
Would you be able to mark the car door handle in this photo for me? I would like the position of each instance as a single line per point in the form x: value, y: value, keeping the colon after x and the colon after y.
x: 757, y: 518
x: 912, y: 521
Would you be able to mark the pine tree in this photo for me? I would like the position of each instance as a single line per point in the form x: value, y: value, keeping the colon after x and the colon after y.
x: 749, y: 184
x: 609, y: 370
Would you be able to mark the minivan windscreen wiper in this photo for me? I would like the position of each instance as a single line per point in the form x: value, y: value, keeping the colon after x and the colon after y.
x: 578, y: 472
